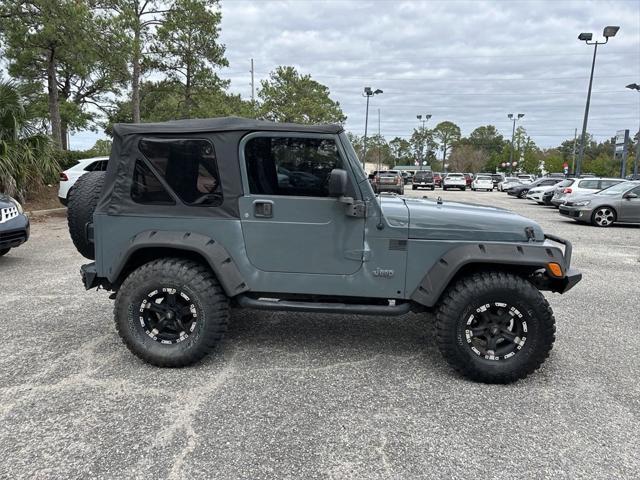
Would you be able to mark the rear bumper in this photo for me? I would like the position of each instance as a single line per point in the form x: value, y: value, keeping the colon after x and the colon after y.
x: 90, y: 277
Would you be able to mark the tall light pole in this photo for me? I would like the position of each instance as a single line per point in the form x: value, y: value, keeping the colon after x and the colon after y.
x: 636, y: 87
x: 609, y: 31
x: 513, y: 117
x: 367, y: 93
x: 424, y: 120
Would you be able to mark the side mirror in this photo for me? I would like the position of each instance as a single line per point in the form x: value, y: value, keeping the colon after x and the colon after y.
x: 631, y: 195
x: 338, y: 179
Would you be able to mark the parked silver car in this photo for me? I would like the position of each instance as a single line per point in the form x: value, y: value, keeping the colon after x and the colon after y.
x: 619, y: 203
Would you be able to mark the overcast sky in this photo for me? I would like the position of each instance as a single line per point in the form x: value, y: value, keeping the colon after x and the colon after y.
x: 470, y: 62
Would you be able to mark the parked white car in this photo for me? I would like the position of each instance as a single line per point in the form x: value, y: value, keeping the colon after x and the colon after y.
x: 70, y: 176
x: 507, y: 183
x: 526, y: 179
x: 454, y: 180
x: 536, y: 193
x: 482, y: 183
x: 582, y: 187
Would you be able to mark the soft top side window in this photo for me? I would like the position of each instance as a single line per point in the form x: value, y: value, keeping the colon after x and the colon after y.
x: 188, y: 166
x: 291, y: 166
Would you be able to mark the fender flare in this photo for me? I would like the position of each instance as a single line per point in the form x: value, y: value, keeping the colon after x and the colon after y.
x: 438, y: 278
x: 213, y: 252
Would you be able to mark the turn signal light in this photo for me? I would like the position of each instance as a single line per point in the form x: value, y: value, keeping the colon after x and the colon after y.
x: 567, y: 190
x: 555, y: 269
x: 63, y: 177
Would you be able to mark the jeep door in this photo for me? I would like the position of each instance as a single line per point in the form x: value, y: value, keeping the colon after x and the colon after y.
x: 289, y: 222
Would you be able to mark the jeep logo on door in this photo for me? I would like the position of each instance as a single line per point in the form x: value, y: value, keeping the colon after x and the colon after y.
x: 379, y: 272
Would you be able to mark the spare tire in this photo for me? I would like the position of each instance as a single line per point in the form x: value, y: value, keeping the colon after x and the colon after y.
x: 82, y: 203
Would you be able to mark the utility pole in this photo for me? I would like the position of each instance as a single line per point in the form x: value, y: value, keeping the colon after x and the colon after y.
x: 253, y: 91
x: 573, y: 155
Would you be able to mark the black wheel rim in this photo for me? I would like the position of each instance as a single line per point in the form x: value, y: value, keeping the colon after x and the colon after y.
x: 168, y: 315
x: 496, y: 331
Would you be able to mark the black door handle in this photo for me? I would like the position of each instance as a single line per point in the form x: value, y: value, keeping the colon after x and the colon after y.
x: 263, y: 208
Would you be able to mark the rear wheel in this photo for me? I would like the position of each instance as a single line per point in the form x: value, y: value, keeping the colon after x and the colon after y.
x: 495, y: 327
x: 171, y: 312
x: 4, y: 251
x: 603, y: 217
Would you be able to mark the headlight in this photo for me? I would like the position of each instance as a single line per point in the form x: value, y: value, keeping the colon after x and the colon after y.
x: 17, y: 204
x: 583, y: 203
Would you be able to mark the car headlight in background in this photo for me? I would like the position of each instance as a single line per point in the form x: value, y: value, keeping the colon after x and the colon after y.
x: 17, y: 204
x: 583, y: 203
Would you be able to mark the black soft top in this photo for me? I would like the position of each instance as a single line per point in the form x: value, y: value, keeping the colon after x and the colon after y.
x: 224, y: 133
x: 223, y: 124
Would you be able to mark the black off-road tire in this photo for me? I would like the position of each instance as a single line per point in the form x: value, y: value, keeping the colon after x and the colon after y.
x: 463, y: 299
x: 4, y: 251
x: 205, y: 294
x: 414, y: 187
x: 82, y: 202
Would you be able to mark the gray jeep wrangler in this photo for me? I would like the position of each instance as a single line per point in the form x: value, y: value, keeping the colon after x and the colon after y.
x: 195, y: 217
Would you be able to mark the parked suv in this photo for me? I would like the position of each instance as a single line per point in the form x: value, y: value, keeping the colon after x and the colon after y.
x: 423, y: 179
x: 388, y: 181
x: 192, y: 219
x: 14, y: 224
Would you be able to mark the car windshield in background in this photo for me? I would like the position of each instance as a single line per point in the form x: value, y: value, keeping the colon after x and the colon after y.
x: 455, y: 175
x: 617, y: 189
x: 485, y: 179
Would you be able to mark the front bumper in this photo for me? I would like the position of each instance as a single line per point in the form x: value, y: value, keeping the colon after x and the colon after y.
x: 15, y: 232
x: 571, y: 275
x: 577, y: 213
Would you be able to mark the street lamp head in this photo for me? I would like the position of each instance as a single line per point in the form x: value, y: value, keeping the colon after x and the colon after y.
x: 634, y: 86
x: 585, y: 37
x: 377, y: 91
x: 428, y: 116
x: 419, y: 117
x: 610, y: 31
x: 510, y: 116
x: 520, y: 115
x: 367, y: 91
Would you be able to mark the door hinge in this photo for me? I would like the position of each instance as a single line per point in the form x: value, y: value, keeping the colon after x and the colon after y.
x: 354, y: 208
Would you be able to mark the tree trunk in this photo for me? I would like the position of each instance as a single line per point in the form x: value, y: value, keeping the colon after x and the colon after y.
x: 187, y: 94
x: 63, y: 135
x: 135, y: 79
x: 54, y: 107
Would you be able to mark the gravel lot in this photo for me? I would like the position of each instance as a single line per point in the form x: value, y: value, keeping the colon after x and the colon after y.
x: 314, y: 396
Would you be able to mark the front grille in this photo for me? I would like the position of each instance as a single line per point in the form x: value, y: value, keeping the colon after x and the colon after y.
x: 8, y: 213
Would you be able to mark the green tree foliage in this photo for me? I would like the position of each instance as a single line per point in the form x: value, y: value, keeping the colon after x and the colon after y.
x: 401, y: 151
x: 423, y: 145
x: 163, y: 100
x: 378, y: 150
x: 66, y: 56
x: 187, y: 51
x: 446, y: 133
x: 26, y: 153
x: 138, y: 21
x: 287, y: 96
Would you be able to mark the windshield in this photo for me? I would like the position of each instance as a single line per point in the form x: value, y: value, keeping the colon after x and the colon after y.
x: 485, y: 178
x: 455, y: 175
x: 616, y: 189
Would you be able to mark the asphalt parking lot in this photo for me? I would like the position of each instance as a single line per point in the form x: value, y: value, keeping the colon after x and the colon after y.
x: 316, y: 396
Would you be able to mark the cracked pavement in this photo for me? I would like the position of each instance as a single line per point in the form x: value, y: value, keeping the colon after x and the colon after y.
x: 315, y: 396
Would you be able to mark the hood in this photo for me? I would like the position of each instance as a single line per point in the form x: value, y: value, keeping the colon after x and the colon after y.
x: 431, y: 220
x: 5, y: 201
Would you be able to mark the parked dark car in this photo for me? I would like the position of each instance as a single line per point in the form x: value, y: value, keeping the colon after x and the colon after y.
x: 521, y: 191
x: 423, y: 179
x: 14, y: 224
x: 497, y: 178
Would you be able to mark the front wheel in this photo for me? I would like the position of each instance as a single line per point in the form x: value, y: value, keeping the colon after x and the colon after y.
x: 171, y: 312
x: 603, y: 217
x: 494, y: 327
